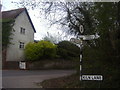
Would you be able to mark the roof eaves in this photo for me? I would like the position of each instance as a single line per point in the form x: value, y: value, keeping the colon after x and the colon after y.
x: 30, y: 20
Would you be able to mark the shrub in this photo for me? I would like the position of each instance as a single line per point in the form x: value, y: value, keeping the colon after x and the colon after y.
x: 68, y: 50
x: 49, y: 49
x: 33, y: 51
x: 40, y: 50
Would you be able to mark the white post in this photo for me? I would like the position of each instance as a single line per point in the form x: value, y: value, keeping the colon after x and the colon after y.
x: 81, y: 43
x: 80, y: 65
x: 80, y: 57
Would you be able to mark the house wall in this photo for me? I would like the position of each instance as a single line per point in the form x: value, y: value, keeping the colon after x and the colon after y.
x: 14, y: 53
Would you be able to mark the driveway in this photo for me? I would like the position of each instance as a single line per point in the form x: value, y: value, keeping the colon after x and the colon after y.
x: 29, y: 78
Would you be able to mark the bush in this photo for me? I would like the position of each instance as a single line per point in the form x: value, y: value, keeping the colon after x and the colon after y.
x: 49, y: 49
x: 68, y: 50
x: 40, y: 50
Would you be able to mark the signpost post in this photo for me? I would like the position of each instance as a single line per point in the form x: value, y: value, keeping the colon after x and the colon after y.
x: 80, y: 42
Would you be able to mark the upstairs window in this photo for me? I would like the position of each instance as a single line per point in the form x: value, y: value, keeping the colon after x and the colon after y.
x: 22, y: 30
x: 21, y: 45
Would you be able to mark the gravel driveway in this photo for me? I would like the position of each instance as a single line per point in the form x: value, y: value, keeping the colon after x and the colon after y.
x: 29, y: 78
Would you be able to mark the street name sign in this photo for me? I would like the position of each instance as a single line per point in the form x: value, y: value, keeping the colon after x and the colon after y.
x: 92, y: 77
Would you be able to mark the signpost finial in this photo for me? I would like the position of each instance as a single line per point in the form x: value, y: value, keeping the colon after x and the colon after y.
x: 81, y: 29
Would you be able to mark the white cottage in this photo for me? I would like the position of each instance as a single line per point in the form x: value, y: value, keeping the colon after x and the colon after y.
x: 23, y: 33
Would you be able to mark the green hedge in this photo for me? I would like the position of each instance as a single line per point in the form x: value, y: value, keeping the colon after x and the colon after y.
x: 68, y: 50
x: 40, y: 50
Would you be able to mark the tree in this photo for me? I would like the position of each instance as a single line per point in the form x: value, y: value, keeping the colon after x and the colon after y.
x: 7, y: 27
x: 108, y: 27
x: 107, y: 51
x: 73, y: 14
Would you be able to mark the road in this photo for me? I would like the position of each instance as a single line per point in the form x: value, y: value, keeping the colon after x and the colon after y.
x: 29, y: 78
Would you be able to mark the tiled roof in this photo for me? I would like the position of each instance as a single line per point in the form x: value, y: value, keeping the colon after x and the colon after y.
x: 12, y: 14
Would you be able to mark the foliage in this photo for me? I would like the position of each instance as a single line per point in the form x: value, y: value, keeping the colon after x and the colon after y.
x: 49, y: 49
x: 104, y: 58
x: 40, y: 50
x: 7, y: 26
x: 67, y: 50
x: 32, y: 51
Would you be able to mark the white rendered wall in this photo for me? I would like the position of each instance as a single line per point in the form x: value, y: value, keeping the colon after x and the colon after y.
x: 14, y: 53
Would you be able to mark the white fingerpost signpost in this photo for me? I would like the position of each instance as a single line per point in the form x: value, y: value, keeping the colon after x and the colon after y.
x: 80, y: 42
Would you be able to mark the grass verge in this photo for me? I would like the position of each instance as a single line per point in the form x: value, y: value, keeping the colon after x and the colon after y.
x: 71, y: 81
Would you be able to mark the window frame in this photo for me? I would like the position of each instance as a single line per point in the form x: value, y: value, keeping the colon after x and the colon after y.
x: 21, y: 45
x: 22, y: 30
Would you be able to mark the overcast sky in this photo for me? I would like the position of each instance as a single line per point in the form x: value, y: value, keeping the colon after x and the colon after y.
x: 41, y: 25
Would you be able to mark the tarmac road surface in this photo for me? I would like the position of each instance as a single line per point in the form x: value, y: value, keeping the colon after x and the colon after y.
x: 29, y: 78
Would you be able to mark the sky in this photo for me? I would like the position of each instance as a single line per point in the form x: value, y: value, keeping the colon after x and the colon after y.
x: 41, y: 25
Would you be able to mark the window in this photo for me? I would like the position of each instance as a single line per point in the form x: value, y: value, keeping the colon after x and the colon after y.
x: 22, y: 30
x: 21, y: 45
